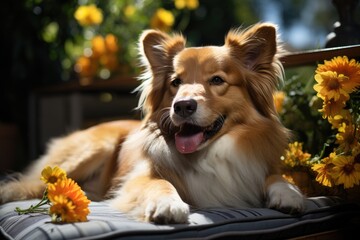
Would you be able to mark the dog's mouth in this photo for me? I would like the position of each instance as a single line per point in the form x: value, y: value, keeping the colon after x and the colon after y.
x: 190, y: 136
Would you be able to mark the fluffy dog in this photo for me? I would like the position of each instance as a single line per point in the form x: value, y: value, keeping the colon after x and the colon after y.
x: 210, y: 136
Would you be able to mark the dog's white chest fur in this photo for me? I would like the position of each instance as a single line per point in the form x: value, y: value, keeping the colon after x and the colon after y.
x: 224, y: 176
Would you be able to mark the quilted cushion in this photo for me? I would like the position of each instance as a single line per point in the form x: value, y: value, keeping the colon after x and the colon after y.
x: 322, y: 214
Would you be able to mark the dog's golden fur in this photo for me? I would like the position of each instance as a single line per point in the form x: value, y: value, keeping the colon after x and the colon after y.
x: 210, y: 136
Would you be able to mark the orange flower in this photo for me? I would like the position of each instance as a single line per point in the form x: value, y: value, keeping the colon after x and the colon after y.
x: 65, y: 197
x: 86, y: 66
x: 62, y: 209
x: 279, y: 97
x: 98, y: 46
x: 104, y: 50
x: 111, y: 43
x: 109, y: 61
x: 68, y: 201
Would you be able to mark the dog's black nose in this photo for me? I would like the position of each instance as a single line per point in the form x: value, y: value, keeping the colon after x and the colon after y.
x: 185, y: 108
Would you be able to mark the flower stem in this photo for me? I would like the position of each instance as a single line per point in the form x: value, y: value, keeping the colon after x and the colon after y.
x: 37, y: 208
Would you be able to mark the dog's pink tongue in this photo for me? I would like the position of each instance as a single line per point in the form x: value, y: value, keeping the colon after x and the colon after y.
x: 188, y: 144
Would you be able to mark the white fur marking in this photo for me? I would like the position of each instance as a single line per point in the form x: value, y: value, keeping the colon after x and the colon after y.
x: 224, y: 176
x: 282, y: 195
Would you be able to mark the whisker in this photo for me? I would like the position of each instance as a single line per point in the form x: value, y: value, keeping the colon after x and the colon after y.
x: 166, y: 125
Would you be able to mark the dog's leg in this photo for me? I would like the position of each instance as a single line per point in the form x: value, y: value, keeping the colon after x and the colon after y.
x: 21, y: 187
x: 150, y: 199
x: 81, y: 155
x: 283, y: 196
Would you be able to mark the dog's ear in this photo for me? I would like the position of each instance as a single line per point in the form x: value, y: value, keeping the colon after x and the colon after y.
x: 255, y: 49
x: 254, y: 46
x: 157, y: 51
x: 159, y: 48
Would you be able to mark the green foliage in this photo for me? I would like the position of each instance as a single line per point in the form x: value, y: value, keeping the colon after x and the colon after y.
x: 300, y: 110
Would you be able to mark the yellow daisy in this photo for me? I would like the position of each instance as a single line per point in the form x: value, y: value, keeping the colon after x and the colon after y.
x: 342, y: 66
x: 324, y: 170
x: 52, y: 175
x: 68, y: 201
x: 346, y: 171
x: 346, y: 137
x: 332, y: 108
x: 330, y: 86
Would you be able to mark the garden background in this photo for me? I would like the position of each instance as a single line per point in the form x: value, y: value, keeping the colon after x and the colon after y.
x: 52, y: 43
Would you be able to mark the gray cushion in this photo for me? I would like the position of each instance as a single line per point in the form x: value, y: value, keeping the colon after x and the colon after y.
x: 322, y: 214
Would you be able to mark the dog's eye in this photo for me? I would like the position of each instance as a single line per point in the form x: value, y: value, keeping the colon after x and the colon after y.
x: 216, y: 81
x: 176, y: 82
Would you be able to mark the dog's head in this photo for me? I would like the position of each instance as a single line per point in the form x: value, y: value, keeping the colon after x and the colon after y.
x: 199, y: 94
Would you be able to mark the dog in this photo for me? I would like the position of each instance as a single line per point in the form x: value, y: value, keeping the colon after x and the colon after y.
x: 210, y: 135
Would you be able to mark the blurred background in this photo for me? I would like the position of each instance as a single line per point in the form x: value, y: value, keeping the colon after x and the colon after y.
x: 70, y: 64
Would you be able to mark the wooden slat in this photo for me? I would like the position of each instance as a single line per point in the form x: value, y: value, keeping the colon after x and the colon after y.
x: 314, y: 56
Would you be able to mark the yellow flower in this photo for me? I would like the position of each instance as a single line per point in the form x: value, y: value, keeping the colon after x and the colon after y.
x: 346, y: 171
x: 332, y: 108
x: 330, y: 86
x: 65, y: 197
x: 162, y: 20
x: 190, y: 4
x: 324, y: 170
x: 346, y: 136
x: 294, y: 155
x: 88, y: 15
x: 279, y: 97
x: 344, y: 116
x: 68, y: 201
x: 62, y: 208
x: 129, y: 11
x: 342, y: 66
x: 52, y: 175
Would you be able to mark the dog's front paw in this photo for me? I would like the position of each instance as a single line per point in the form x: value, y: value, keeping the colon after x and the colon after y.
x: 167, y: 210
x: 286, y: 198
